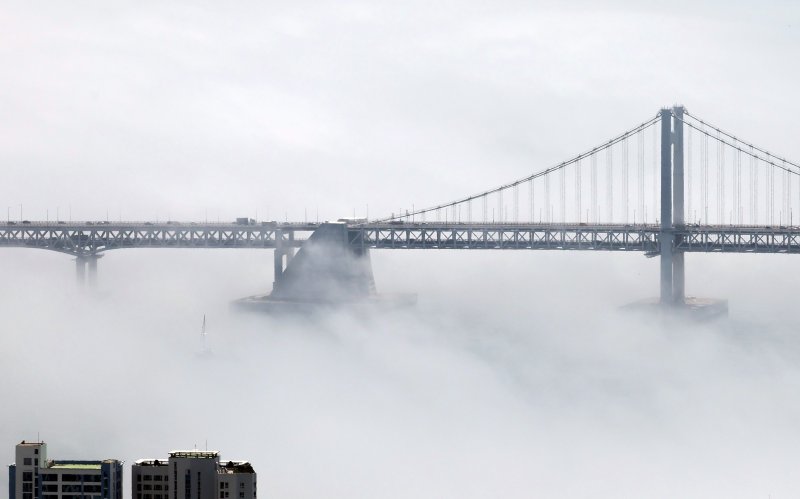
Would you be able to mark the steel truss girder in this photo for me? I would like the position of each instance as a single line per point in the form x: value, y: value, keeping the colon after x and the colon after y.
x: 639, y: 238
x: 86, y: 240
x: 79, y: 239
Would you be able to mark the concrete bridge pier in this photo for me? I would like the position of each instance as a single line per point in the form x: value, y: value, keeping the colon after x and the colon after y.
x: 84, y: 263
x: 80, y: 271
x: 332, y: 268
x: 283, y: 255
x: 92, y: 260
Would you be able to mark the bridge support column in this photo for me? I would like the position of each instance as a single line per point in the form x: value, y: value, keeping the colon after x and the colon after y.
x: 289, y: 252
x: 81, y: 264
x: 665, y: 236
x: 92, y: 270
x: 283, y: 255
x: 672, y: 212
x: 278, y: 264
x: 80, y: 271
x: 678, y: 273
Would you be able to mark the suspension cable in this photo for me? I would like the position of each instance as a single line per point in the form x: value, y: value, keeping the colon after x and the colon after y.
x: 536, y: 175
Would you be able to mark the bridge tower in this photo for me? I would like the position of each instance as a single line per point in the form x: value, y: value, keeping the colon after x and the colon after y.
x: 672, y: 211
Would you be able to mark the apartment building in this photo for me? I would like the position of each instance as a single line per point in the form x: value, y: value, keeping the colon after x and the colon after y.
x: 192, y: 474
x: 35, y: 476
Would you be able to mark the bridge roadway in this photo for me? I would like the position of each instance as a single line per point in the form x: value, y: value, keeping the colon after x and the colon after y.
x: 89, y: 238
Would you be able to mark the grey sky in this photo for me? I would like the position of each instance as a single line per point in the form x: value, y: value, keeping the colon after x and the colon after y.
x: 169, y: 110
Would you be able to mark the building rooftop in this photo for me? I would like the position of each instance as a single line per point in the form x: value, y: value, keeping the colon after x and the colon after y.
x: 75, y: 465
x: 230, y: 467
x: 31, y: 443
x: 151, y: 462
x: 195, y: 454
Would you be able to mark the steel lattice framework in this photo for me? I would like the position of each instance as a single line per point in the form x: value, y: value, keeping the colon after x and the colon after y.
x: 84, y: 240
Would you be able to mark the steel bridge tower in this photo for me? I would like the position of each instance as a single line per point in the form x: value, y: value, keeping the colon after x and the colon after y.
x: 672, y: 211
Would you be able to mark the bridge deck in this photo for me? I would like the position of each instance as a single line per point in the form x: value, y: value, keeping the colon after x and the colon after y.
x: 90, y: 237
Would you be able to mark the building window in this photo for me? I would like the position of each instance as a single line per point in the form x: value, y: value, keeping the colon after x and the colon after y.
x: 26, y: 461
x: 27, y: 476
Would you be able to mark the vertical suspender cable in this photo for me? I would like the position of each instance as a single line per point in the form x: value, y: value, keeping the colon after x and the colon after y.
x: 516, y: 203
x: 625, y: 188
x: 640, y: 172
x: 530, y: 199
x: 610, y: 183
x: 720, y: 181
x: 563, y: 199
x: 547, y: 209
x: 689, y: 183
x: 578, y: 188
x: 595, y: 206
x: 500, y: 206
x: 754, y: 173
x: 655, y: 172
x: 739, y: 214
x: 771, y: 191
x: 787, y: 186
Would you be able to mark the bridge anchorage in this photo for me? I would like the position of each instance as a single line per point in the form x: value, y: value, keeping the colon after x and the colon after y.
x: 332, y: 268
x: 648, y: 190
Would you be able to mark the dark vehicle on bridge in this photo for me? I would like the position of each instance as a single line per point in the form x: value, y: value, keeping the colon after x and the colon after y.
x: 245, y: 221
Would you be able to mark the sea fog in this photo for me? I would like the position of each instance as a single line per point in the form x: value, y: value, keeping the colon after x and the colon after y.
x: 516, y: 375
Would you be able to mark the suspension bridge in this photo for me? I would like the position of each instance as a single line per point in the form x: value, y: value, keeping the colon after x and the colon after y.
x: 671, y: 185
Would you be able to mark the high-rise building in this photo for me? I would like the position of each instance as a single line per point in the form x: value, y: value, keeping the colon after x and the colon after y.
x: 192, y: 474
x: 34, y: 476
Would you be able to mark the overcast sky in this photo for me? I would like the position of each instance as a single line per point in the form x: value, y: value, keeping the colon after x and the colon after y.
x: 515, y: 376
x: 149, y: 109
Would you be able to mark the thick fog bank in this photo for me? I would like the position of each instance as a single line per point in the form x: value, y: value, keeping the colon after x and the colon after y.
x: 515, y: 376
